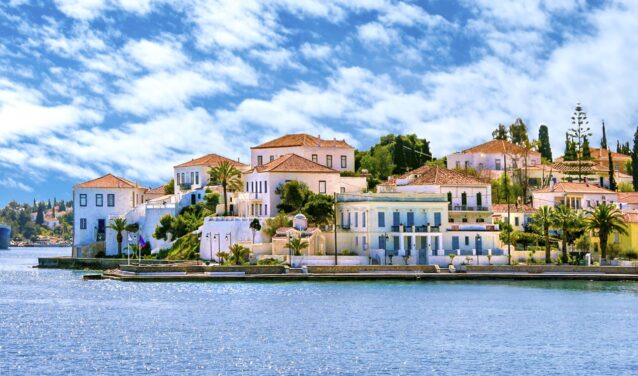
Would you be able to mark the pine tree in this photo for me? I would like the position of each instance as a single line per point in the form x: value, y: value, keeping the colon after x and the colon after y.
x: 500, y: 133
x: 612, y: 179
x: 34, y: 207
x: 568, y: 149
x: 62, y: 206
x: 518, y: 132
x: 634, y: 162
x: 39, y: 218
x: 586, y: 152
x: 603, y: 142
x: 49, y: 204
x: 545, y: 147
x: 626, y: 149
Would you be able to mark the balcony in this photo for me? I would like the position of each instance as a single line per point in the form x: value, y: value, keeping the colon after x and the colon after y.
x: 466, y: 208
x: 473, y: 227
x: 185, y: 187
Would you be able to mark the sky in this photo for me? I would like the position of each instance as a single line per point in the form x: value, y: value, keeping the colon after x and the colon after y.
x: 134, y: 87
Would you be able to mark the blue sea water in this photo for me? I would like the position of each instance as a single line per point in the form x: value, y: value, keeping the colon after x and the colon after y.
x: 52, y: 322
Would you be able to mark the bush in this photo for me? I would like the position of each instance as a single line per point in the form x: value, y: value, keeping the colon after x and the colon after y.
x: 100, y: 254
x: 630, y: 255
x: 185, y: 248
x: 270, y: 261
x: 347, y: 252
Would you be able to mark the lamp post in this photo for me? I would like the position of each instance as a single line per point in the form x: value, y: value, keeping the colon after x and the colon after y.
x: 219, y: 242
x: 385, y: 248
x: 210, y: 243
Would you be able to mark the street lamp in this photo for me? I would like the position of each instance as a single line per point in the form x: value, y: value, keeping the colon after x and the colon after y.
x: 229, y: 239
x: 385, y: 248
x: 219, y: 242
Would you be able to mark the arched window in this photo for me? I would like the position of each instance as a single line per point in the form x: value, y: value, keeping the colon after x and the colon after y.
x: 464, y: 199
x: 479, y: 199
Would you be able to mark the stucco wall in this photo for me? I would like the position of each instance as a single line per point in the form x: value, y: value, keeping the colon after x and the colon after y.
x: 307, y: 152
x: 218, y: 227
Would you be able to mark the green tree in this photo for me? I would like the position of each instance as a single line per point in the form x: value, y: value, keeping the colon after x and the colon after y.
x: 212, y: 200
x: 603, y: 141
x: 294, y: 195
x: 238, y: 254
x: 568, y: 222
x: 164, y: 227
x: 49, y: 206
x: 39, y: 218
x: 398, y: 156
x: 612, y: 179
x: 634, y: 162
x: 569, y: 154
x: 296, y: 245
x: 229, y: 177
x: 169, y: 188
x: 605, y: 219
x: 518, y: 132
x: 500, y: 133
x: 255, y: 227
x: 278, y: 221
x: 62, y: 206
x: 378, y: 162
x: 119, y: 225
x: 545, y: 147
x: 543, y: 219
x: 319, y: 209
x: 586, y: 151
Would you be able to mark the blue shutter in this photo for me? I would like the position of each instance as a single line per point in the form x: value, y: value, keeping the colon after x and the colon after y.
x: 396, y: 218
x: 396, y: 243
x: 363, y: 219
x: 381, y: 242
x: 410, y: 219
x: 381, y: 219
x: 455, y: 242
x: 356, y: 219
x: 437, y: 219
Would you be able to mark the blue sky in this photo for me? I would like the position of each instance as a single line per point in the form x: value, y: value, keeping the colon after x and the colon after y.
x: 134, y: 87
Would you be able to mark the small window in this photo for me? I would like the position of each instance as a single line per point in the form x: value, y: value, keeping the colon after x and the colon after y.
x: 272, y: 158
x: 356, y: 219
x: 322, y: 186
x: 356, y: 241
x: 82, y: 223
x: 247, y: 187
x: 364, y: 243
x: 192, y: 178
x: 458, y: 164
x: 329, y: 161
x: 315, y: 158
x: 83, y: 199
x: 266, y: 210
x: 110, y: 200
x: 497, y: 164
x: 178, y: 181
x: 265, y: 186
x: 516, y: 221
x: 342, y: 190
x: 363, y: 219
x: 467, y: 164
x: 260, y: 160
x: 197, y: 178
x: 467, y: 240
x: 344, y: 161
x: 259, y: 187
x: 381, y: 219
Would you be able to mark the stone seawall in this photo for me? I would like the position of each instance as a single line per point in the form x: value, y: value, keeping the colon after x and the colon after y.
x: 372, y: 268
x: 551, y: 269
x: 247, y: 269
x: 90, y: 263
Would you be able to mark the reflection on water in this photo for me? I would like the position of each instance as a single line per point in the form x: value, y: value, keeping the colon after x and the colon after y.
x: 52, y: 322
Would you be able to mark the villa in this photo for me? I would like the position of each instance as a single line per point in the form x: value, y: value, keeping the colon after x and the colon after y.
x: 194, y: 174
x: 574, y: 195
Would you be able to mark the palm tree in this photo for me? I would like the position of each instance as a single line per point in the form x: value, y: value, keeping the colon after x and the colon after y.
x: 229, y: 177
x: 296, y: 245
x: 119, y: 225
x: 238, y: 254
x: 605, y: 219
x: 567, y: 221
x: 544, y: 218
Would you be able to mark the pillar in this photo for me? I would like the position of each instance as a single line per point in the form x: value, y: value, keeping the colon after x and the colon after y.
x: 439, y: 240
x: 401, y: 245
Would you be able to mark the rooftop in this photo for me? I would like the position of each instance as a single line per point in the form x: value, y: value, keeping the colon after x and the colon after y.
x: 567, y: 187
x: 302, y: 139
x: 628, y: 197
x: 293, y: 163
x: 210, y: 160
x: 499, y: 147
x: 108, y: 181
x: 156, y: 191
x: 436, y: 175
x: 514, y: 208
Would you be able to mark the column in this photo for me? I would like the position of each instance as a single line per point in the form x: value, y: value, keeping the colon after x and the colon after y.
x: 439, y: 240
x: 401, y: 245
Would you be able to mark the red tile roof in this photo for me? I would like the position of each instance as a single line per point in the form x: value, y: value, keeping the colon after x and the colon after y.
x: 628, y: 197
x: 108, y: 181
x: 499, y: 146
x: 293, y: 163
x: 435, y: 175
x: 502, y: 208
x: 631, y: 217
x: 210, y: 160
x: 156, y: 191
x: 302, y: 139
x: 567, y: 187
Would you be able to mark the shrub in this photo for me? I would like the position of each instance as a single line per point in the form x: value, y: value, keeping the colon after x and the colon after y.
x: 270, y: 261
x: 630, y: 255
x: 347, y: 252
x: 185, y: 248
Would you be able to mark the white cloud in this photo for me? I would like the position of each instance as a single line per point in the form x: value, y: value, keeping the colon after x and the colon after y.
x: 81, y: 9
x: 316, y: 51
x: 11, y: 183
x: 156, y: 55
x: 276, y: 58
x: 376, y: 33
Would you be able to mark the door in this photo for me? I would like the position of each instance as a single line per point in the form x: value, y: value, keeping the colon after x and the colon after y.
x: 193, y: 199
x: 479, y: 245
x: 422, y: 257
x: 455, y: 243
x: 381, y: 242
x: 396, y: 218
x: 101, y: 229
x: 437, y: 219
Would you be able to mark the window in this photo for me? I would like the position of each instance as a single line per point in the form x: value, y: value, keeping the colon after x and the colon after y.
x: 381, y: 242
x: 252, y: 186
x: 259, y: 187
x: 381, y: 219
x: 479, y: 199
x: 356, y: 241
x: 458, y: 164
x: 481, y: 166
x: 497, y: 164
x: 363, y: 219
x: 266, y: 210
x: 364, y: 243
x: 467, y: 164
x: 82, y: 223
x: 178, y: 181
x: 455, y: 242
x: 192, y: 177
x: 182, y: 178
x: 464, y: 199
x: 314, y: 158
x: 344, y: 161
x: 272, y: 158
x: 247, y: 187
x: 110, y: 199
x: 322, y: 186
x: 449, y: 197
x: 396, y: 218
x: 265, y: 186
x: 356, y: 219
x: 467, y: 240
x: 99, y: 199
x: 329, y: 161
x: 437, y: 219
x: 260, y: 160
x: 410, y: 219
x: 197, y: 178
x: 342, y: 190
x: 83, y: 199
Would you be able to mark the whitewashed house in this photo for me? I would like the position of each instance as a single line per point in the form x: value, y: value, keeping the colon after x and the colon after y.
x: 261, y: 182
x: 334, y: 154
x: 95, y: 202
x: 574, y: 195
x: 193, y: 175
x: 491, y: 158
x: 520, y: 215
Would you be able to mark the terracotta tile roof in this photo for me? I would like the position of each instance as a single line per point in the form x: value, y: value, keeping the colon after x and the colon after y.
x: 631, y: 217
x: 502, y: 208
x: 567, y: 187
x: 598, y: 153
x: 498, y: 147
x: 628, y: 197
x: 108, y: 181
x: 293, y: 163
x: 302, y: 139
x: 156, y: 191
x: 210, y: 160
x: 573, y: 167
x: 435, y: 175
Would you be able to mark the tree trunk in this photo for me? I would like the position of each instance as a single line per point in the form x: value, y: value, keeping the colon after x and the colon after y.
x: 603, y: 246
x: 548, y: 251
x: 565, y: 244
x: 225, y: 200
x: 119, y: 244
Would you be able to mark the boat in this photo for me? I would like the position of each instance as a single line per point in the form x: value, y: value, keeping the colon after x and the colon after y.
x: 5, y: 235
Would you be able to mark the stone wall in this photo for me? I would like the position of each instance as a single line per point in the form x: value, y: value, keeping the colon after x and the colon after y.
x: 372, y: 268
x: 552, y: 269
x: 89, y: 263
x: 248, y: 269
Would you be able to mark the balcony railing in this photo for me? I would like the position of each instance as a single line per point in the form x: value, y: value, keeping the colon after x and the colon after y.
x: 396, y: 228
x: 185, y: 186
x: 466, y: 208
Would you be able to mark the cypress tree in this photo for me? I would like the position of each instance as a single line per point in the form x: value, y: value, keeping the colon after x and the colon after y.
x: 612, y: 179
x: 634, y: 162
x: 586, y: 152
x: 545, y: 147
x: 39, y: 218
x: 49, y: 204
x: 618, y: 148
x: 603, y: 142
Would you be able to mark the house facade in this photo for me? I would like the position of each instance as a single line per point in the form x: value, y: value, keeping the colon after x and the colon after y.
x: 193, y: 175
x: 575, y: 195
x: 334, y: 154
x: 261, y: 182
x: 491, y: 158
x: 520, y: 215
x: 95, y: 202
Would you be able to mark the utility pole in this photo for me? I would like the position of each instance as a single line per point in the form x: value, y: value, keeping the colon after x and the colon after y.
x: 507, y: 200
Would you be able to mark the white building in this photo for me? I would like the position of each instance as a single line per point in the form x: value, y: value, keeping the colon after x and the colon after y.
x: 520, y: 215
x: 574, y: 195
x: 628, y: 200
x: 262, y: 181
x: 469, y: 198
x: 334, y: 154
x: 95, y: 202
x: 412, y: 226
x: 490, y: 158
x: 193, y: 175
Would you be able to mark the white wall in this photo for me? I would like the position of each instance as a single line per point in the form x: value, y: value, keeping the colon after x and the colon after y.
x: 482, y: 161
x: 237, y: 227
x: 307, y: 152
x: 541, y: 199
